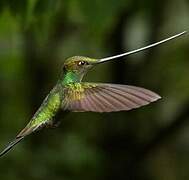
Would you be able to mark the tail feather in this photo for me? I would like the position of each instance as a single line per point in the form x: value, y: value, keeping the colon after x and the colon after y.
x: 11, y: 145
x: 23, y: 133
x: 26, y: 131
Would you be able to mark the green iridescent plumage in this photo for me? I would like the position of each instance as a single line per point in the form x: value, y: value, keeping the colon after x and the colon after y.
x: 45, y: 113
x: 70, y: 94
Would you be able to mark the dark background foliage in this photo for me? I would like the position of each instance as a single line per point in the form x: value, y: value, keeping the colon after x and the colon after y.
x: 144, y: 144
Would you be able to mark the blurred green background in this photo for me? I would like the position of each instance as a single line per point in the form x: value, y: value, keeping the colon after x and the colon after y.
x: 144, y: 144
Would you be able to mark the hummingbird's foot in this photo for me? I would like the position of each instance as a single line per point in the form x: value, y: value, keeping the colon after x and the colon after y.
x: 53, y: 125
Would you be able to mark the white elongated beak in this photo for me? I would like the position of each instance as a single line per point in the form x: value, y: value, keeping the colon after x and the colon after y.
x: 141, y: 49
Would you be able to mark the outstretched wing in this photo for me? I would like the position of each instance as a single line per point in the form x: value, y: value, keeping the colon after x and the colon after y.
x: 101, y: 97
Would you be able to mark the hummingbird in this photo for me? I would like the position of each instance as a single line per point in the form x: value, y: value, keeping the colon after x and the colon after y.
x: 71, y: 94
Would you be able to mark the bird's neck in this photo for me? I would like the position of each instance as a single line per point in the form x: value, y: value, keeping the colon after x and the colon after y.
x: 70, y: 77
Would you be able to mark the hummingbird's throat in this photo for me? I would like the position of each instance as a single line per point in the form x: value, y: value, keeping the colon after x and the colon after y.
x: 71, y: 77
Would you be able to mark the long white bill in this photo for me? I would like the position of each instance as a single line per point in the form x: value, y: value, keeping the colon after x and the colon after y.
x: 143, y: 48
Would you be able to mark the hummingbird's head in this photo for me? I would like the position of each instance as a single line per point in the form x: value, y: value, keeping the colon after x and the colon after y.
x: 78, y: 66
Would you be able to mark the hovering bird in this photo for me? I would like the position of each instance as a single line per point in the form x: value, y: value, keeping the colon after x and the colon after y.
x: 70, y: 94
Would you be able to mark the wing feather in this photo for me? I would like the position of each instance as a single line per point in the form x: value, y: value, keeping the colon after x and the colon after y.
x: 134, y: 98
x: 122, y: 97
x: 91, y: 105
x: 115, y: 99
x: 106, y: 97
x: 106, y: 101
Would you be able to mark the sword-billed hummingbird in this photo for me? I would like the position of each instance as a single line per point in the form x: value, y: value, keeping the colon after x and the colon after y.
x: 70, y: 94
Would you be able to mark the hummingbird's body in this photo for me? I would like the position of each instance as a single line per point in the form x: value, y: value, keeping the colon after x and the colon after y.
x: 44, y: 115
x: 70, y: 94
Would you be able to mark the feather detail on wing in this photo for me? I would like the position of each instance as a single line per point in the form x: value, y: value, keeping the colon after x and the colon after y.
x: 101, y: 97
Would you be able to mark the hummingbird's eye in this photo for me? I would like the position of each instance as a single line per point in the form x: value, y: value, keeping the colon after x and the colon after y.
x: 81, y: 63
